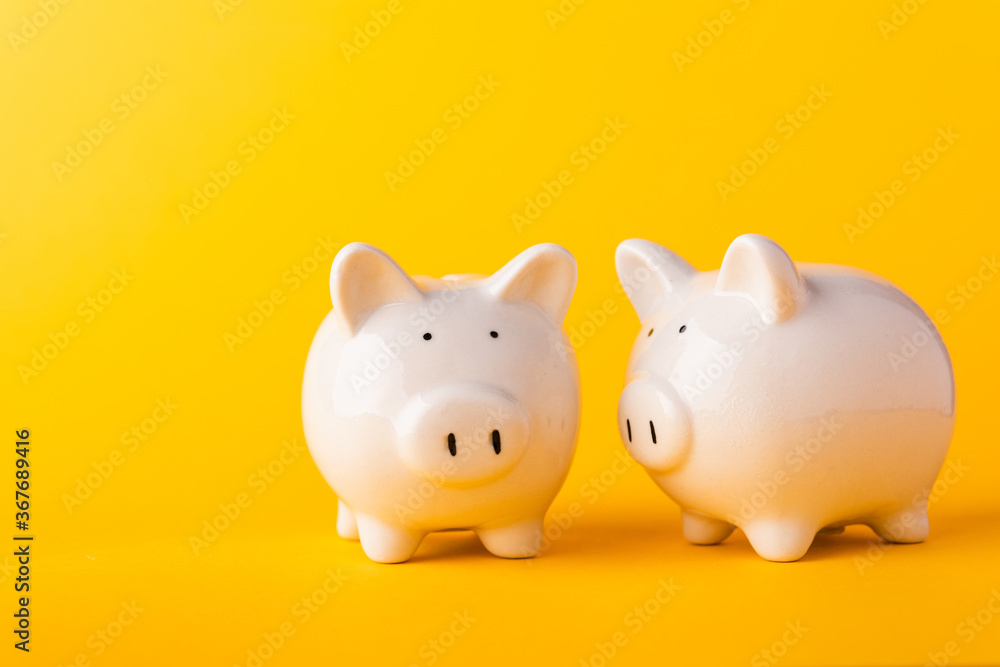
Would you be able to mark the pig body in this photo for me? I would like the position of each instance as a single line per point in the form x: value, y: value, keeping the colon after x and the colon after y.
x: 784, y: 399
x: 434, y: 404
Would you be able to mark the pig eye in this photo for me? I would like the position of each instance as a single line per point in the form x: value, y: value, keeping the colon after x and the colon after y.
x: 427, y: 336
x: 494, y: 334
x: 650, y: 333
x: 683, y: 328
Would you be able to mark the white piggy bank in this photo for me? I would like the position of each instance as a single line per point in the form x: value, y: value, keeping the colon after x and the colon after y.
x: 784, y: 399
x: 453, y: 403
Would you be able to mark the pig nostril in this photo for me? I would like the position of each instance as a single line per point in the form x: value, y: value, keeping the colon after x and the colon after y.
x: 652, y: 431
x: 451, y: 444
x: 496, y: 441
x: 629, y: 427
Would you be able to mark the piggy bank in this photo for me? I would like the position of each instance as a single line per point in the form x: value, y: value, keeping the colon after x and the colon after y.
x: 784, y: 399
x: 435, y: 404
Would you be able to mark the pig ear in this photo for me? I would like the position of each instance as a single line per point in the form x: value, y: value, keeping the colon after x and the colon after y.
x: 362, y: 280
x: 544, y: 274
x: 759, y: 269
x: 652, y: 276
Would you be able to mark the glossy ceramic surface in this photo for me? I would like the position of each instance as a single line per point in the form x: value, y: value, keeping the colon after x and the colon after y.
x: 432, y: 404
x: 783, y: 398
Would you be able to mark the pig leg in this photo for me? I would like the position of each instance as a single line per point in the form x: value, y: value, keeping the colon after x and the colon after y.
x: 780, y: 540
x: 347, y: 526
x: 702, y: 529
x: 906, y: 527
x: 384, y: 543
x: 512, y: 540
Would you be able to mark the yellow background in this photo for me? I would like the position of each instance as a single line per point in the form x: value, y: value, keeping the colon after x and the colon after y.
x: 324, y: 175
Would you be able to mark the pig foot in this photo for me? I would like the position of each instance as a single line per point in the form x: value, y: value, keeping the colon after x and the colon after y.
x: 905, y: 527
x: 781, y: 541
x: 512, y: 540
x: 347, y: 526
x: 384, y: 543
x: 702, y: 529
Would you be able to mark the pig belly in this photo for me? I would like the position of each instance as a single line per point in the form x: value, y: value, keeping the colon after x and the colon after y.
x: 874, y: 464
x: 418, y: 504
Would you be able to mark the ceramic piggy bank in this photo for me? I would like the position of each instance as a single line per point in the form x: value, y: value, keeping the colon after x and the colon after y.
x: 435, y: 404
x: 784, y: 399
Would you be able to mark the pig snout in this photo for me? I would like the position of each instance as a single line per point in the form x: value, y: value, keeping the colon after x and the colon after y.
x: 655, y: 425
x: 463, y: 434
